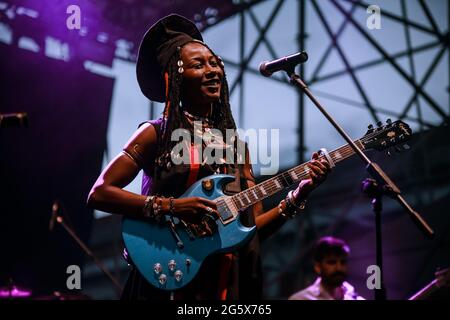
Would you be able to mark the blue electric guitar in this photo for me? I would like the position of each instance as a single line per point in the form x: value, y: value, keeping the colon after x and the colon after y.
x: 169, y: 254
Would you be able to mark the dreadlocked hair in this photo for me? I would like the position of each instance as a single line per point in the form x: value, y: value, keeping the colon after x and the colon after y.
x: 173, y: 117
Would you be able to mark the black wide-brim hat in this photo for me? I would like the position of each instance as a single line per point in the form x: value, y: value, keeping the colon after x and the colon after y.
x: 157, y: 47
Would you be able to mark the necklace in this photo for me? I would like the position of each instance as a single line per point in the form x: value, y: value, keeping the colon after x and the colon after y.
x: 192, y: 117
x: 196, y: 118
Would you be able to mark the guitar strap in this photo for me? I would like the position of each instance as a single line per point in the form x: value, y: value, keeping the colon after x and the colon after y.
x: 194, y: 164
x: 228, y: 261
x: 237, y: 185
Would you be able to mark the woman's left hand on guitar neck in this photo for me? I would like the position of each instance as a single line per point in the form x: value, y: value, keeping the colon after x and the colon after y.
x: 269, y: 222
x: 319, y: 170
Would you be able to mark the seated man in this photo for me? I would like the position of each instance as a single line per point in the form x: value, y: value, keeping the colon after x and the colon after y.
x: 330, y: 263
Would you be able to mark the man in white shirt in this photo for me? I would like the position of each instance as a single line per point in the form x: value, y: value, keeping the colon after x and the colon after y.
x: 330, y: 263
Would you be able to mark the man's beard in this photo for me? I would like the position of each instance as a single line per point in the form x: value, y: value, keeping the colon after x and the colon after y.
x: 334, y: 280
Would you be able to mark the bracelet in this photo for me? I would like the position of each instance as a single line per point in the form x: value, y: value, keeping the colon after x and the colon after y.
x: 157, y: 209
x: 171, y: 206
x: 148, y: 206
x: 282, y: 210
x: 290, y: 196
x: 290, y: 208
x: 152, y: 209
x: 286, y: 213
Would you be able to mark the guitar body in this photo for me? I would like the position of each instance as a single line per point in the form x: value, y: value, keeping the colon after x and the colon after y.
x: 169, y: 257
x: 150, y: 243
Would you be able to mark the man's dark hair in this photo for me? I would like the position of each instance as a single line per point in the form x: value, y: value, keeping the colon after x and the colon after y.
x: 330, y: 246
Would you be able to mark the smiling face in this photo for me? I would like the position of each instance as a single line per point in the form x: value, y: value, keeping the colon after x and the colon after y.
x: 202, y: 76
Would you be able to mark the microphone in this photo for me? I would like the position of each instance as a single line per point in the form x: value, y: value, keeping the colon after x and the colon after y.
x: 55, y: 209
x: 268, y: 68
x: 19, y: 119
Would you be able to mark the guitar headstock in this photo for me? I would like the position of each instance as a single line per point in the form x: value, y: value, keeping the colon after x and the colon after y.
x: 392, y: 134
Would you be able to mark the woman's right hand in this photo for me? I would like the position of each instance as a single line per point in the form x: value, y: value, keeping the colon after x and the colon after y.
x: 193, y: 209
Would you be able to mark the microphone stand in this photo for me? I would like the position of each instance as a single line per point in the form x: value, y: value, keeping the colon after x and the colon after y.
x: 117, y: 286
x: 372, y: 168
x: 376, y: 192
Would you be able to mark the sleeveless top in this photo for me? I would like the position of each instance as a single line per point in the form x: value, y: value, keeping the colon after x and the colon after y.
x: 222, y: 276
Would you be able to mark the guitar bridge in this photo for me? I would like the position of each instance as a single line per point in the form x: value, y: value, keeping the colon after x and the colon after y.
x: 200, y: 230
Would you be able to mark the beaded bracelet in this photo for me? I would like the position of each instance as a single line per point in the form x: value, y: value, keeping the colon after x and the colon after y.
x: 148, y: 206
x: 291, y: 209
x: 171, y: 206
x: 152, y: 209
x: 157, y: 206
x: 291, y: 199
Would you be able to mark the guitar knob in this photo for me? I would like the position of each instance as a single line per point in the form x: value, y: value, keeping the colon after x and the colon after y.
x: 162, y: 279
x: 172, y: 265
x: 188, y: 262
x: 157, y: 268
x: 207, y: 184
x: 178, y: 275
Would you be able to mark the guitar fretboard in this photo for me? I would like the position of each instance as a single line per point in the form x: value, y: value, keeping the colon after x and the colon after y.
x: 276, y: 184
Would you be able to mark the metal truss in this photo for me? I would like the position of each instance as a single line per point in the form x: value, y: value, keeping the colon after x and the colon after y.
x: 428, y: 26
x: 441, y: 41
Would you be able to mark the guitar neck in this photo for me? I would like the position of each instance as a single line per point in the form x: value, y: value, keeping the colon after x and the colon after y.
x: 271, y: 186
x: 442, y: 280
x: 425, y: 292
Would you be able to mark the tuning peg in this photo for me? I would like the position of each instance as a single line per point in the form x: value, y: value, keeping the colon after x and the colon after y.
x: 388, y: 121
x: 406, y: 146
x: 370, y: 127
x: 379, y: 123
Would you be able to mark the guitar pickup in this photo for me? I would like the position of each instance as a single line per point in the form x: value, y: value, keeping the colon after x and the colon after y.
x: 224, y: 211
